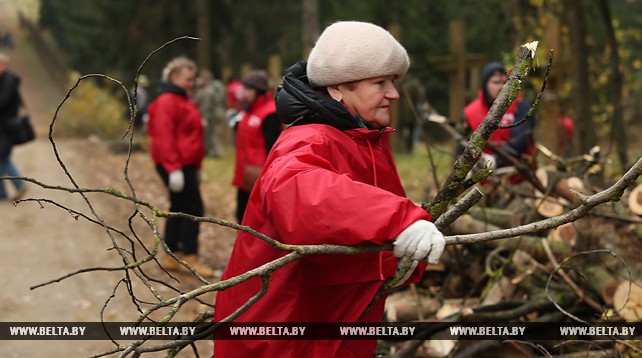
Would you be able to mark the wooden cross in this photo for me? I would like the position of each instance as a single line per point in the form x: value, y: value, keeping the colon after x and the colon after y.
x: 457, y: 63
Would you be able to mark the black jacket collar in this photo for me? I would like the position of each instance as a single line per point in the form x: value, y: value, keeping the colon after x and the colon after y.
x: 297, y: 102
x: 168, y: 87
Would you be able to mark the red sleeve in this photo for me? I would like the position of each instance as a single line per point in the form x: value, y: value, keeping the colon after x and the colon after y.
x: 311, y: 203
x: 164, y: 134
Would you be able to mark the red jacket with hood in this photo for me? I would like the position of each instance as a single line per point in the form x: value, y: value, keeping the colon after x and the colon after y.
x: 326, y: 181
x: 175, y: 129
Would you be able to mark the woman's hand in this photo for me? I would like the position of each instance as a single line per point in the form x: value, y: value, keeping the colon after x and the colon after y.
x: 176, y: 181
x: 419, y: 240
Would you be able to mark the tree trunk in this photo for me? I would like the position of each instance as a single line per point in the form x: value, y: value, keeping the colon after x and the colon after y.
x: 618, y: 133
x: 310, y: 24
x: 581, y: 104
x: 203, y: 58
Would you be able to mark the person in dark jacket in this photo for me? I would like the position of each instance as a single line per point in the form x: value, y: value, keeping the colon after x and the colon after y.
x: 517, y: 142
x: 10, y: 102
x: 256, y: 133
x: 329, y: 179
x: 176, y: 134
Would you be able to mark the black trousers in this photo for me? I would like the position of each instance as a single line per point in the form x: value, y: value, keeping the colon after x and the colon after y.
x: 181, y: 235
x: 242, y: 197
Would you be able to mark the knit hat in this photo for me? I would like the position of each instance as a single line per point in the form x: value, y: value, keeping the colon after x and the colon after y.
x: 350, y: 50
x: 257, y: 79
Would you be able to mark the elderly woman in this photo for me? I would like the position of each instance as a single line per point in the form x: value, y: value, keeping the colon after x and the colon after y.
x: 176, y: 134
x: 330, y: 179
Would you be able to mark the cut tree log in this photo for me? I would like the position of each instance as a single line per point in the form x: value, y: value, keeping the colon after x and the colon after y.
x: 576, y: 184
x: 456, y: 306
x: 404, y: 307
x: 466, y: 224
x: 502, y: 289
x: 549, y: 207
x: 564, y: 188
x: 542, y: 175
x: 635, y: 200
x: 565, y: 233
x: 439, y: 346
x: 560, y: 185
x: 627, y: 300
x: 600, y: 280
x: 499, y: 217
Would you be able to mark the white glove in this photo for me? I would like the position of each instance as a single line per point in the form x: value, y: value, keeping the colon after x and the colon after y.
x: 176, y: 181
x: 420, y: 239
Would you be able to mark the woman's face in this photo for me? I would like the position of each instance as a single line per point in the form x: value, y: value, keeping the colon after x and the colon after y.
x: 185, y: 79
x: 249, y: 95
x: 495, y: 84
x: 370, y: 99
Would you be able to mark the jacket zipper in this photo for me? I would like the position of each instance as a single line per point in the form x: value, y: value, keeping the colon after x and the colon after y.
x: 376, y: 182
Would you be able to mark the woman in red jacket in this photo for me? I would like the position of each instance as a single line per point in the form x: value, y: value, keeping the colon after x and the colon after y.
x: 329, y: 179
x: 176, y: 134
x: 256, y: 133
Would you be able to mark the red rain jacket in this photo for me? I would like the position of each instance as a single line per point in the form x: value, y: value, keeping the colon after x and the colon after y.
x: 176, y: 132
x: 250, y: 140
x: 320, y: 185
x: 478, y: 109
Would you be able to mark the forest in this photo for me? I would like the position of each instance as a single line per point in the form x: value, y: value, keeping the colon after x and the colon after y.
x: 114, y: 37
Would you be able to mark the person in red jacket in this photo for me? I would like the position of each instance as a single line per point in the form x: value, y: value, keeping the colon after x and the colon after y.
x: 176, y: 132
x: 256, y: 133
x: 517, y: 142
x: 234, y: 96
x: 329, y: 179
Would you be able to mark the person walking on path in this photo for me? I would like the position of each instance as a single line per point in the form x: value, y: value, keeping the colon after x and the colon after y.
x: 329, y: 179
x: 10, y: 102
x: 176, y: 134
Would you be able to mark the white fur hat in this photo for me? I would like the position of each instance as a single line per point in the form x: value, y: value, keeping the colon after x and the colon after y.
x: 350, y: 50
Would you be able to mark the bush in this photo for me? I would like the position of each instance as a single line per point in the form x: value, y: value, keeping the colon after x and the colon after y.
x: 92, y: 110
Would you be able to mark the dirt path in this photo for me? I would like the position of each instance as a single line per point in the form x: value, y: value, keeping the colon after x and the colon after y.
x: 41, y: 244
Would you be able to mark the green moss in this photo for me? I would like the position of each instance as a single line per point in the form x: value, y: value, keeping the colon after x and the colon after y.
x: 453, y: 185
x: 438, y: 208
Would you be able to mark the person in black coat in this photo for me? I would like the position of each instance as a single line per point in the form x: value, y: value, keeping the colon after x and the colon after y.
x: 10, y: 102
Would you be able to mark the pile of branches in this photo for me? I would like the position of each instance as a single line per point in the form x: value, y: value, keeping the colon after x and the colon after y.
x: 566, y: 260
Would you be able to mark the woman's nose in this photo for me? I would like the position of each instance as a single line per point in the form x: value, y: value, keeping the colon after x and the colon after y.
x: 392, y: 93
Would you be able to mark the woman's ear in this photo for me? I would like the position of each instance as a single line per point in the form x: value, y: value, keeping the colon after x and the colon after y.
x: 334, y: 93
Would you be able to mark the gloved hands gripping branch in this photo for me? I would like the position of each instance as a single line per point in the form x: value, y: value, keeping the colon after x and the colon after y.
x: 419, y: 240
x: 176, y: 181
